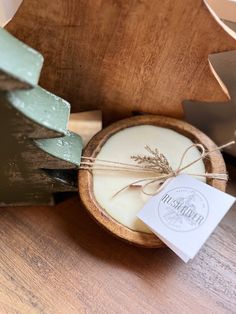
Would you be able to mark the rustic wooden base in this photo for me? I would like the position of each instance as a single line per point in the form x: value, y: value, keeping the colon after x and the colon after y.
x: 214, y: 163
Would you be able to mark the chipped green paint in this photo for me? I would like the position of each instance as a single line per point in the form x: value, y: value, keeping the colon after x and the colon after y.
x: 39, y: 155
x: 42, y: 107
x: 68, y: 147
x: 19, y: 61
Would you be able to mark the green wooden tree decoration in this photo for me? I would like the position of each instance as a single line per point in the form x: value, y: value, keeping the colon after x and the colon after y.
x: 38, y: 153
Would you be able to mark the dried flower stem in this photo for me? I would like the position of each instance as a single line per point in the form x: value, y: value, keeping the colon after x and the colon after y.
x: 156, y: 161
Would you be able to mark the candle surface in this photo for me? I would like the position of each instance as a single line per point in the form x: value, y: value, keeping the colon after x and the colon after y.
x: 119, y: 148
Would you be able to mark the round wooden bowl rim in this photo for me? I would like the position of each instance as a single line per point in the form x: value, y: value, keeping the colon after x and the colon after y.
x: 215, y: 163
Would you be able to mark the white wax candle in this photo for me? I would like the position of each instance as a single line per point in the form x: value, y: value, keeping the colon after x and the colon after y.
x: 119, y: 147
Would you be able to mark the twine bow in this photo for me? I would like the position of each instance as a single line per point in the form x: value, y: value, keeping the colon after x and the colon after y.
x: 159, y: 175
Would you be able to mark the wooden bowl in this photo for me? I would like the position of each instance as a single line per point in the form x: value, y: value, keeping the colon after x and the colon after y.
x: 215, y: 163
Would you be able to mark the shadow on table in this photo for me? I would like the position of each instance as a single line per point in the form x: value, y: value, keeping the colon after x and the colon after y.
x: 89, y: 236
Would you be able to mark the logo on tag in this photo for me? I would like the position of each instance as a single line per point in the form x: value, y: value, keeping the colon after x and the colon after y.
x: 183, y: 209
x: 185, y: 213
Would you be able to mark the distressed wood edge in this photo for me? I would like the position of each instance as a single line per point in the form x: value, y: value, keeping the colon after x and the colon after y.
x: 53, y: 108
x: 8, y: 82
x: 215, y: 163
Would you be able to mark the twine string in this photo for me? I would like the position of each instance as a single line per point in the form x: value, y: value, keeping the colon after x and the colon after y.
x: 161, y: 179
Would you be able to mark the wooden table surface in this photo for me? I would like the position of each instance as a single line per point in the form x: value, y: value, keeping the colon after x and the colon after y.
x: 58, y: 260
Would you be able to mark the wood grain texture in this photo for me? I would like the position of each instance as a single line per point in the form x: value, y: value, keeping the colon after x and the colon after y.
x: 36, y: 148
x: 58, y: 260
x: 125, y: 56
x: 37, y: 156
x: 213, y: 164
x: 86, y: 124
